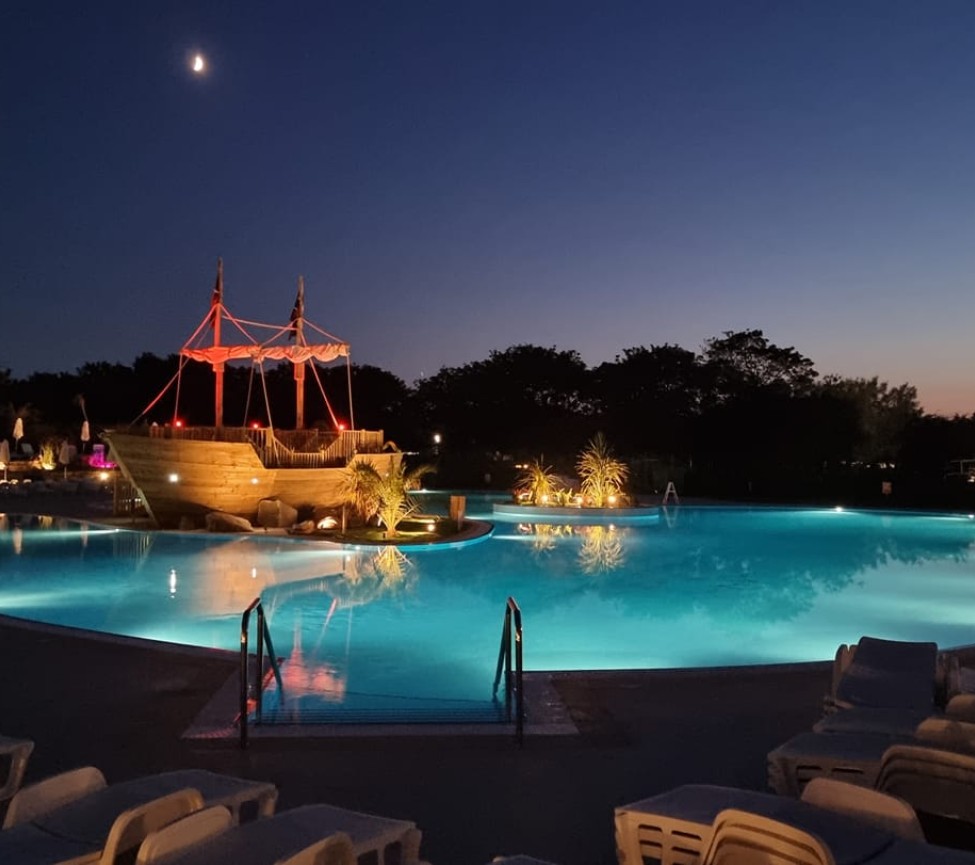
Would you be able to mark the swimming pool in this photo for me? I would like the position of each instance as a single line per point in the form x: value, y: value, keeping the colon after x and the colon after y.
x: 415, y: 632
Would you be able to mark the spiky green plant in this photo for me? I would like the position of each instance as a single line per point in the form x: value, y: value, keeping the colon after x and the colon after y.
x: 602, y: 475
x: 48, y: 456
x: 537, y: 483
x: 384, y: 494
x: 358, y: 488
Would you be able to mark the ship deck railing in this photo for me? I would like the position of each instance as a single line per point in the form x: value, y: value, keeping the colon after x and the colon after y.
x: 311, y: 448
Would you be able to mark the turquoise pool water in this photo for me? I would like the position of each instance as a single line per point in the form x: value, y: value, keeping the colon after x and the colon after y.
x: 418, y: 630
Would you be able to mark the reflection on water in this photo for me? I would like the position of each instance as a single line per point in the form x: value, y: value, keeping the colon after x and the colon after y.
x: 303, y: 674
x: 601, y: 550
x: 322, y: 672
x: 370, y: 575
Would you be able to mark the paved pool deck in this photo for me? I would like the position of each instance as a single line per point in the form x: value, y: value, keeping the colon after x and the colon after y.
x: 124, y: 706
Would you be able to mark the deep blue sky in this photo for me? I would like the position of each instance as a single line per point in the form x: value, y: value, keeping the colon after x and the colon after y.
x: 454, y: 177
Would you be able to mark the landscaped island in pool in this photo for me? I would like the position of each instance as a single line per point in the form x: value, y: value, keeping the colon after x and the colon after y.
x: 417, y: 630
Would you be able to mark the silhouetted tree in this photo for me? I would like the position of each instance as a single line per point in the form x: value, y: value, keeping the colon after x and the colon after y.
x: 885, y: 414
x: 745, y: 360
x: 648, y: 398
x: 526, y: 399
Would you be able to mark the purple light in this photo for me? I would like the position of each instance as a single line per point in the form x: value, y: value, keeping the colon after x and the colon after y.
x: 97, y: 461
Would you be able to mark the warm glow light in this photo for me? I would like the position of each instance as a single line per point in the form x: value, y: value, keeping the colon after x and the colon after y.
x: 253, y: 480
x: 544, y: 499
x: 199, y: 64
x: 103, y: 476
x: 253, y: 573
x: 431, y: 527
x: 436, y: 438
x: 255, y: 425
x: 178, y: 424
x: 838, y: 509
x: 612, y: 500
x: 173, y: 478
x: 327, y: 523
x: 341, y: 427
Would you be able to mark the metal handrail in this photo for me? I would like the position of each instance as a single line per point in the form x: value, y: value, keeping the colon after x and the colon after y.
x: 512, y: 684
x: 263, y: 636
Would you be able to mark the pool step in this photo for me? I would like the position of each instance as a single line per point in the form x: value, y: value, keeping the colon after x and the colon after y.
x: 318, y: 713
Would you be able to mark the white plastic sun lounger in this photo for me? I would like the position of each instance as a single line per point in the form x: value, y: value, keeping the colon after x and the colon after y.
x: 27, y: 844
x: 883, y: 810
x: 163, y: 846
x: 933, y: 781
x: 877, y: 721
x: 742, y: 838
x: 16, y: 752
x: 855, y: 757
x: 675, y: 828
x: 35, y: 800
x: 164, y: 843
x: 852, y: 757
x: 286, y: 834
x: 887, y: 674
x: 78, y: 831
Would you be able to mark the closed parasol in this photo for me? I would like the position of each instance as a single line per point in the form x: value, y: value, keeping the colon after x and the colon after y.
x: 85, y: 435
x: 64, y: 456
x: 4, y: 456
x: 18, y: 431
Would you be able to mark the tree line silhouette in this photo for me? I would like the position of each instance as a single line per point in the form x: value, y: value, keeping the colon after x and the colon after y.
x: 742, y: 417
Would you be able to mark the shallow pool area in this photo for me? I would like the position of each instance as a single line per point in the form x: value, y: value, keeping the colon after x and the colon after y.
x: 414, y: 632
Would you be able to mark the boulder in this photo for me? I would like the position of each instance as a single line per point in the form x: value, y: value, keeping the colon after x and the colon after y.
x: 217, y: 521
x: 305, y: 527
x: 275, y: 514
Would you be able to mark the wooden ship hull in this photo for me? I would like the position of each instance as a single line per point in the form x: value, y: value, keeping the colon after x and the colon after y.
x: 184, y: 474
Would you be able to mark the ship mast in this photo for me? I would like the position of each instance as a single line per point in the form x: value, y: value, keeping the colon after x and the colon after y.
x: 216, y: 304
x: 297, y: 319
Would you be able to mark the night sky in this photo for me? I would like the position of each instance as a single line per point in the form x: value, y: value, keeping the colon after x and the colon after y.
x: 455, y: 177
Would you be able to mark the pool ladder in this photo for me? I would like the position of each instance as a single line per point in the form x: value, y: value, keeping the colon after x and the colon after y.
x: 263, y: 636
x: 514, y: 680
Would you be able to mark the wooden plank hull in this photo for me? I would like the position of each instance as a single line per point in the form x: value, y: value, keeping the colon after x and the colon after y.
x: 179, y: 478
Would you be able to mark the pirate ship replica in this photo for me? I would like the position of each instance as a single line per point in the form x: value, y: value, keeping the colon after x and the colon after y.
x: 183, y: 472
